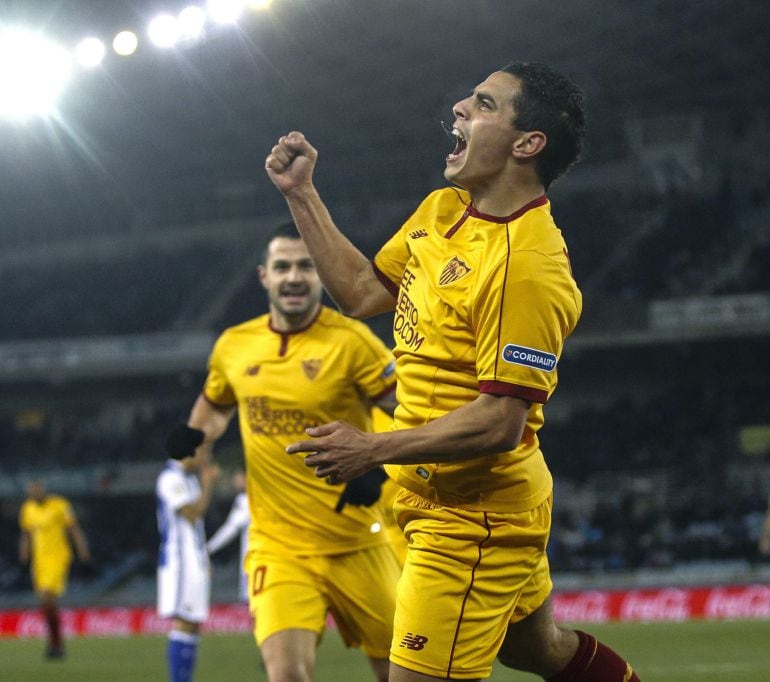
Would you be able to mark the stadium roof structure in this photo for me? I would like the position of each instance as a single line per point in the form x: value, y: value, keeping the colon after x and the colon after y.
x: 367, y: 80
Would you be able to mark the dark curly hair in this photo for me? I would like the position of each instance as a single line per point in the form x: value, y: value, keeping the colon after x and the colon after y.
x: 549, y: 101
x: 286, y: 229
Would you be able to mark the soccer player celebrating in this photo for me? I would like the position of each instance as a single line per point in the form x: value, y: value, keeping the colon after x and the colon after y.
x: 236, y: 524
x: 184, y: 578
x: 48, y: 525
x: 313, y: 548
x: 484, y: 299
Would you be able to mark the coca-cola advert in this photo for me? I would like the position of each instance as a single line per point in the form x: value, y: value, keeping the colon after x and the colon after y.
x: 579, y: 606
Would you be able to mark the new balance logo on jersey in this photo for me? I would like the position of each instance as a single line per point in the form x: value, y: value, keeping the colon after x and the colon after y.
x: 252, y: 371
x: 418, y: 233
x: 414, y: 642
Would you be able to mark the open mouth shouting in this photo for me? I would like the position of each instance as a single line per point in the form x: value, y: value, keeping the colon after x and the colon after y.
x: 293, y: 295
x: 460, y: 146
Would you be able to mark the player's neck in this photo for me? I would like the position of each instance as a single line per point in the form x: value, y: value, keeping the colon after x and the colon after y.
x: 290, y: 324
x: 504, y: 198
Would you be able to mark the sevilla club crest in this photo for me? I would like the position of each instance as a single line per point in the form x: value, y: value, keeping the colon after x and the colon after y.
x: 452, y: 271
x: 311, y: 368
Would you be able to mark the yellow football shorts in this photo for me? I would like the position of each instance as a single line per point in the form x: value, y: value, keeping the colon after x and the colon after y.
x: 467, y: 575
x: 50, y: 575
x: 358, y: 588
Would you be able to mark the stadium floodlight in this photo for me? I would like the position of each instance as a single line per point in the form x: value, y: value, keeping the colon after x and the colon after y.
x: 191, y: 21
x: 89, y: 52
x: 125, y: 43
x: 225, y: 11
x: 33, y: 72
x: 163, y: 31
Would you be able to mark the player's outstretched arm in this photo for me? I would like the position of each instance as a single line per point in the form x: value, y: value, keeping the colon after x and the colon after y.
x: 81, y: 544
x: 208, y: 478
x: 24, y: 545
x: 207, y: 424
x: 345, y: 272
x: 485, y: 426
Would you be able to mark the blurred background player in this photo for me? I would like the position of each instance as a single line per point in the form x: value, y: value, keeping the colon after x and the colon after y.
x: 236, y: 524
x: 48, y: 524
x: 184, y: 579
x: 314, y: 548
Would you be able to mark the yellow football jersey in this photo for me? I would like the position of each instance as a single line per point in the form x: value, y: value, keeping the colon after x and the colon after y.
x: 483, y: 304
x: 283, y: 383
x: 47, y: 523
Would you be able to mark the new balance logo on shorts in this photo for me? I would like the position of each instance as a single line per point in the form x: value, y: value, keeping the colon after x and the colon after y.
x: 418, y: 233
x: 414, y: 642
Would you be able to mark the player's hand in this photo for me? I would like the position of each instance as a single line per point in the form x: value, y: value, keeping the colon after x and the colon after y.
x: 339, y: 452
x: 291, y: 162
x: 363, y: 491
x: 183, y: 441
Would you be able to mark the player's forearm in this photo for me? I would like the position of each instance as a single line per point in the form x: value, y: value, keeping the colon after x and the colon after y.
x: 198, y: 509
x: 346, y: 273
x: 488, y: 425
x: 24, y: 548
x: 212, y: 420
x: 81, y: 544
x: 226, y: 533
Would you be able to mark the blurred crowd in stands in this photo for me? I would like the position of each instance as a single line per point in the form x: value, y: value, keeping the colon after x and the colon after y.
x: 642, y: 481
x: 635, y: 247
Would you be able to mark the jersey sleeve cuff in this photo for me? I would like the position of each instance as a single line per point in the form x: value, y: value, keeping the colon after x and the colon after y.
x: 385, y: 392
x: 385, y: 280
x: 533, y: 395
x: 218, y: 405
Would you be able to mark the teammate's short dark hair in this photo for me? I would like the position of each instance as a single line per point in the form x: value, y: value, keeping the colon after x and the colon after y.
x: 288, y: 230
x: 549, y: 101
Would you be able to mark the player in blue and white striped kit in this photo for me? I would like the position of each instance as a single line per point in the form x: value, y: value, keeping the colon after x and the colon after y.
x: 183, y: 562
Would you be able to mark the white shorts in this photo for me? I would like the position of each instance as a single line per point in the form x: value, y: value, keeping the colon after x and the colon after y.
x: 183, y: 591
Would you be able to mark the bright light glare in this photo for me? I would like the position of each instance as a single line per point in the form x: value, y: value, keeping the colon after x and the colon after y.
x: 191, y: 22
x: 260, y: 4
x: 125, y: 43
x: 163, y: 30
x: 33, y: 71
x: 90, y: 52
x: 225, y: 11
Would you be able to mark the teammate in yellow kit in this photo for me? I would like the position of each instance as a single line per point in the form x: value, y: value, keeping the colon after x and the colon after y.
x: 483, y: 299
x: 48, y: 524
x: 313, y: 547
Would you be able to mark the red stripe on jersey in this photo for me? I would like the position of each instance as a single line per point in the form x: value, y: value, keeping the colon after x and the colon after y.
x: 502, y: 297
x: 540, y: 201
x: 465, y: 598
x: 533, y: 395
x: 457, y: 225
x: 385, y: 280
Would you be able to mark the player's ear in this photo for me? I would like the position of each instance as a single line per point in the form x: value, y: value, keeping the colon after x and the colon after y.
x: 529, y: 144
x: 262, y: 273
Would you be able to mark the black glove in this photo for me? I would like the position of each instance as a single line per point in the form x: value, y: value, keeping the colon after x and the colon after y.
x: 182, y: 441
x: 363, y: 491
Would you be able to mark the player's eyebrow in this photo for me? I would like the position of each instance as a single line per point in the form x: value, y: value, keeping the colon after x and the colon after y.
x: 485, y: 97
